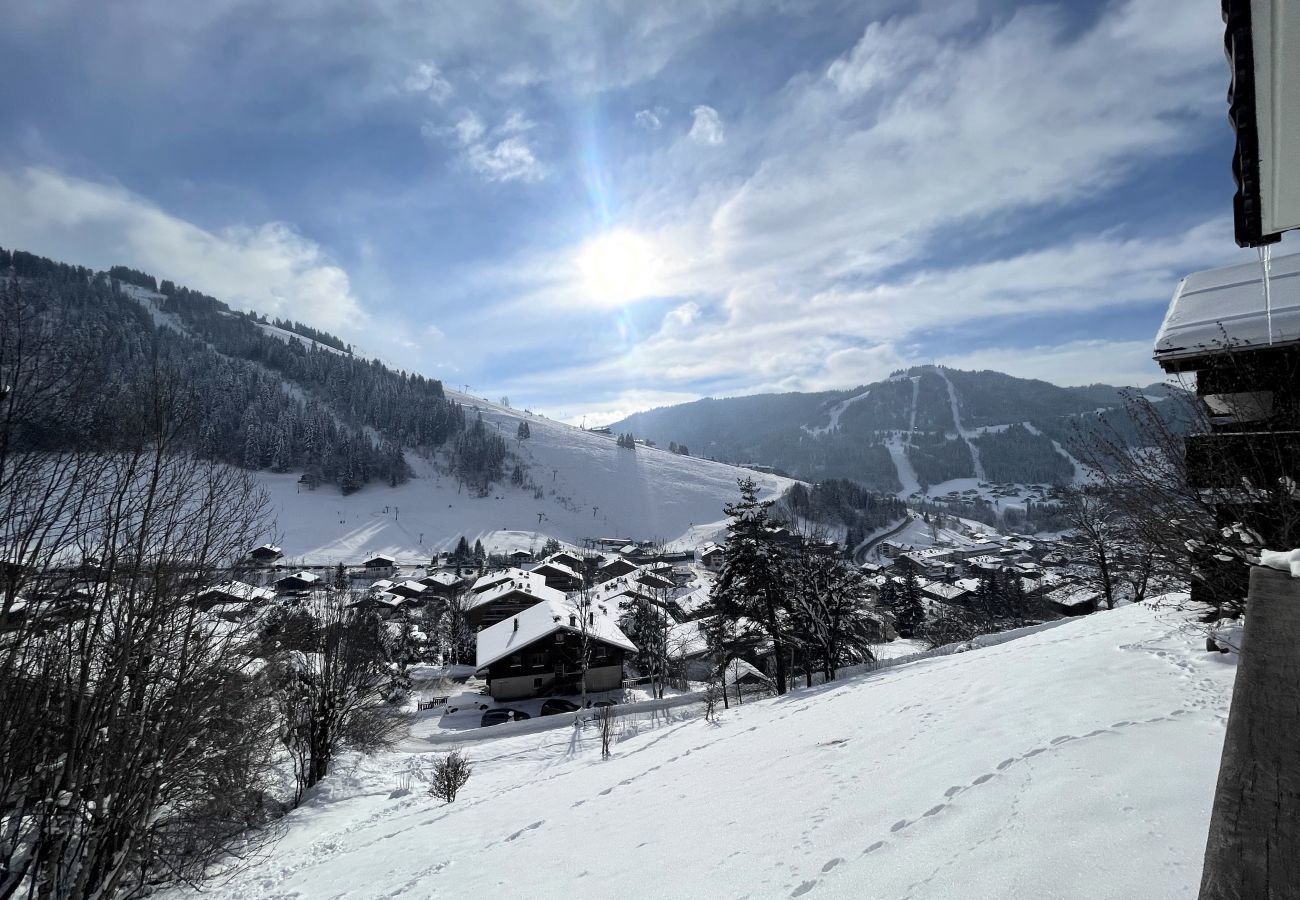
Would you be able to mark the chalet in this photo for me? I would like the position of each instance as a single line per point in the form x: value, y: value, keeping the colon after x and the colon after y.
x: 409, y: 589
x: 1072, y: 600
x: 932, y: 562
x: 984, y: 564
x: 558, y: 575
x: 983, y: 548
x: 694, y: 604
x: 379, y: 566
x: 233, y: 592
x: 501, y: 576
x: 713, y: 558
x: 382, y: 603
x: 519, y: 557
x: 297, y: 583
x: 265, y: 554
x: 613, y: 569
x: 654, y: 581
x: 689, y: 653
x: 443, y: 584
x: 568, y: 558
x: 944, y: 593
x: 507, y: 599
x: 538, y: 651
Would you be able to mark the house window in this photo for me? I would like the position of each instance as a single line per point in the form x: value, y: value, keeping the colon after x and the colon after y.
x: 536, y: 660
x: 515, y: 661
x: 601, y: 654
x: 537, y: 682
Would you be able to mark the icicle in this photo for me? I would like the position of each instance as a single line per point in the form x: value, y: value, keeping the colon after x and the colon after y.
x: 1265, y: 264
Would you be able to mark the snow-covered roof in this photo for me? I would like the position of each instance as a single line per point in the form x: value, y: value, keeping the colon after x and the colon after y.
x: 444, y: 578
x: 512, y: 574
x: 554, y: 566
x: 240, y: 591
x: 686, y: 639
x: 269, y: 548
x: 534, y: 587
x: 691, y: 602
x: 379, y: 561
x: 1228, y: 304
x: 305, y: 577
x: 970, y: 585
x: 541, y: 621
x: 944, y: 591
x: 1073, y: 595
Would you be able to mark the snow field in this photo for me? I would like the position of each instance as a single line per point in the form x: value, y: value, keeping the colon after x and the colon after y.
x: 593, y: 488
x: 1078, y: 761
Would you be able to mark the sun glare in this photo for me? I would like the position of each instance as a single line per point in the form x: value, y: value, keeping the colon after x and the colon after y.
x: 617, y: 267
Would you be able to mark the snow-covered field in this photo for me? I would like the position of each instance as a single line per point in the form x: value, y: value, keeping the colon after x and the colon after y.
x: 1078, y: 761
x: 593, y: 489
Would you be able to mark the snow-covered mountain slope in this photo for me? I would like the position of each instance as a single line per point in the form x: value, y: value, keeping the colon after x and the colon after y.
x: 1076, y: 762
x: 592, y: 487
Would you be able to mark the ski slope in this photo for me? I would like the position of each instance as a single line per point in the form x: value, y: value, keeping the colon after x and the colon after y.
x: 1075, y: 762
x: 593, y: 488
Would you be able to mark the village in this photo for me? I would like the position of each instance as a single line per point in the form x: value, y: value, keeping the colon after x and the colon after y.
x: 546, y: 632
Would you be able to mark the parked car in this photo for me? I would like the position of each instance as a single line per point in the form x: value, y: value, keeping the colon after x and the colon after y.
x: 502, y: 714
x: 602, y: 703
x: 556, y: 705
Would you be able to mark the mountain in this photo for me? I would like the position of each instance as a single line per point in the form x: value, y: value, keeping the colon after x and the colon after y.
x: 357, y: 457
x: 1034, y: 763
x: 918, y: 429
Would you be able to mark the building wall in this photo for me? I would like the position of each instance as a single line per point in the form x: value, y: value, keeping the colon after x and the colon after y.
x: 519, y: 687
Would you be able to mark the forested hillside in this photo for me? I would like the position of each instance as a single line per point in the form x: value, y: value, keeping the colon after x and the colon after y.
x: 934, y: 420
x: 253, y: 395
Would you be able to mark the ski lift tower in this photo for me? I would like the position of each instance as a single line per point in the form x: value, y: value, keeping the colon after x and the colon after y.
x: 1238, y: 329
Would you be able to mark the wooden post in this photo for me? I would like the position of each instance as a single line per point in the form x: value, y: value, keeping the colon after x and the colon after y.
x: 1253, y: 850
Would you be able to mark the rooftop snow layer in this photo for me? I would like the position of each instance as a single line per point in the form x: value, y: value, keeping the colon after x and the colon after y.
x: 540, y: 621
x: 1228, y: 304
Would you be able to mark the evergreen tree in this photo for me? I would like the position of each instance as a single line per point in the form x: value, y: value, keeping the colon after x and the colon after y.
x: 909, y: 610
x: 341, y: 582
x: 479, y: 553
x: 524, y: 433
x: 753, y: 582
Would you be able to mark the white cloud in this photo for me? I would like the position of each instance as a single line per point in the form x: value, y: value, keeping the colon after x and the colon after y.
x: 650, y: 119
x: 502, y: 154
x: 469, y: 128
x: 706, y: 127
x: 269, y: 267
x: 1072, y: 363
x: 507, y: 160
x: 426, y: 79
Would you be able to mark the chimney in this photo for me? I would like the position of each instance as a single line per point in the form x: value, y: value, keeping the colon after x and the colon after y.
x: 573, y: 621
x: 516, y: 624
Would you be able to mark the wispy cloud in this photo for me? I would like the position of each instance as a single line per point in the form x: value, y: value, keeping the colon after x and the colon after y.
x: 268, y: 267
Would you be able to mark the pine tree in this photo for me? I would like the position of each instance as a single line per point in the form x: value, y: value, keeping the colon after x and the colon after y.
x: 341, y: 582
x: 462, y: 551
x: 909, y: 613
x: 753, y: 583
x: 524, y: 433
x: 479, y: 553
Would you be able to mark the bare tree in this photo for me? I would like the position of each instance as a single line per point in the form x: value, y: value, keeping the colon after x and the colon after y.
x: 133, y: 725
x: 331, y: 678
x: 605, y: 722
x: 450, y: 774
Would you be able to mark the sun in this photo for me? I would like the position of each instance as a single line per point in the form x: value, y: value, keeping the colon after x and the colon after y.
x: 617, y: 267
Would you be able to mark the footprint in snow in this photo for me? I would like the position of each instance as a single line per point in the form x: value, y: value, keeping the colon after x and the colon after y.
x: 803, y: 889
x: 934, y: 810
x: 988, y: 776
x: 899, y: 825
x: 873, y: 848
x: 531, y: 827
x: 1006, y: 764
x: 832, y: 864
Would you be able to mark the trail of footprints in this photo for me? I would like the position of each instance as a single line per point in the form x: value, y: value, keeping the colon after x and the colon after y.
x: 903, y: 824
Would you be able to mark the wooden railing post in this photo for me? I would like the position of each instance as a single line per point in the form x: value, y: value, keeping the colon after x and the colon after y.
x: 1253, y: 850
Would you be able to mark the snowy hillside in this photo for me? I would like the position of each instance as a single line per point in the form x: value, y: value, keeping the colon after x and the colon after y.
x: 593, y: 488
x: 1078, y: 761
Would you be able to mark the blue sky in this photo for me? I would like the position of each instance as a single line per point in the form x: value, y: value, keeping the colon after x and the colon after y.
x: 597, y: 208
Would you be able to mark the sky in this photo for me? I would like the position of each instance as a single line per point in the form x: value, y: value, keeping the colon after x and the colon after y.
x: 595, y: 208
